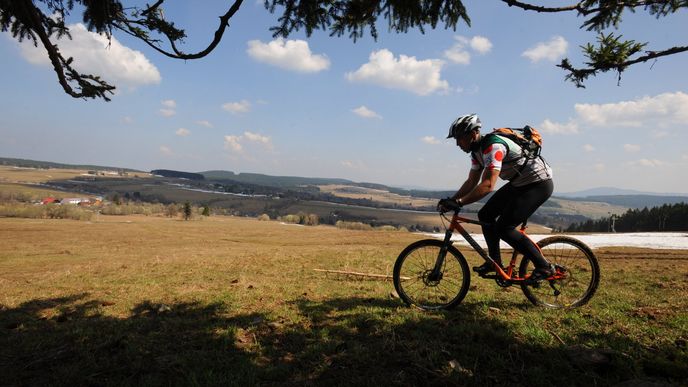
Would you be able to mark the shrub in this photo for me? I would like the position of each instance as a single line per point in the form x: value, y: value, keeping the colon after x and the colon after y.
x: 172, y: 210
x: 353, y: 226
x: 130, y: 209
x: 52, y: 211
x: 296, y: 219
x: 264, y: 217
x: 310, y: 220
x: 301, y: 218
x: 20, y: 210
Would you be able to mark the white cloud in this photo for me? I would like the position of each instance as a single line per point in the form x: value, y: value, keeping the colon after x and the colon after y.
x: 95, y: 54
x: 660, y: 134
x: 127, y: 120
x: 631, y: 148
x: 255, y: 137
x: 552, y: 50
x: 406, y: 73
x: 236, y: 143
x: 168, y: 108
x: 652, y: 163
x: 599, y: 167
x: 169, y: 103
x: 183, y: 132
x: 471, y: 90
x: 588, y: 148
x: 205, y: 123
x: 481, y: 44
x: 288, y: 54
x: 365, y: 112
x: 430, y: 140
x: 548, y: 126
x: 232, y: 143
x: 662, y: 110
x: 165, y: 150
x: 353, y: 164
x: 237, y: 107
x: 459, y: 54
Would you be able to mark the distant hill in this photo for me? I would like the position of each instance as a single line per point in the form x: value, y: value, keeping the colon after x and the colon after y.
x: 177, y: 174
x: 634, y: 201
x: 610, y: 191
x: 272, y: 181
x: 560, y: 210
x: 24, y: 163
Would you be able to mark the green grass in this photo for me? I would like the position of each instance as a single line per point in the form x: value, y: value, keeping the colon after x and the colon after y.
x: 134, y: 300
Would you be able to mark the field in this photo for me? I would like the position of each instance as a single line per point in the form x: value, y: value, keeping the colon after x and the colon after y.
x: 233, y: 301
x: 376, y: 195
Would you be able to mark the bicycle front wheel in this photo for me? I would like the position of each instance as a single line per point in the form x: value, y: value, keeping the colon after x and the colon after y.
x: 580, y: 274
x: 416, y: 283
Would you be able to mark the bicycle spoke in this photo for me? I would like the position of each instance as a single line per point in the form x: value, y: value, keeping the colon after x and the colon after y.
x: 580, y: 278
x: 421, y: 289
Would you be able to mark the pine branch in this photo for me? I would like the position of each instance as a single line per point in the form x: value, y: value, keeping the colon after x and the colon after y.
x: 580, y: 75
x: 154, y: 22
x: 89, y: 86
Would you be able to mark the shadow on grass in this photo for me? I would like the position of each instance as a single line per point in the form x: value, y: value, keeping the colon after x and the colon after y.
x: 346, y: 341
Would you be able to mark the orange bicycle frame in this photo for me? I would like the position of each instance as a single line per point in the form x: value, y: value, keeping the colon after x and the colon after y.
x: 510, y: 274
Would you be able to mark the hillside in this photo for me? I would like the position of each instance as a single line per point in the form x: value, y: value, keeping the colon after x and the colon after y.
x: 24, y: 163
x: 271, y: 181
x: 634, y: 201
x: 331, y: 199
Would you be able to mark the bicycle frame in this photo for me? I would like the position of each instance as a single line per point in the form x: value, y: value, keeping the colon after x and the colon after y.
x: 510, y: 275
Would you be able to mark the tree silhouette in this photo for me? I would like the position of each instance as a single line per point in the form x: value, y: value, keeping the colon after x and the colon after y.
x: 187, y: 211
x: 46, y: 25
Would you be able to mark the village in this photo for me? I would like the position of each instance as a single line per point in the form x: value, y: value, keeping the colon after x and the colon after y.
x: 82, y: 201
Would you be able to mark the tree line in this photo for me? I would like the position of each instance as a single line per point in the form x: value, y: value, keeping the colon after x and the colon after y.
x: 668, y: 217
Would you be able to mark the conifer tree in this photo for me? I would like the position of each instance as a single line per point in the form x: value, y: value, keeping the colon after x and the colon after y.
x: 187, y: 210
x: 43, y: 22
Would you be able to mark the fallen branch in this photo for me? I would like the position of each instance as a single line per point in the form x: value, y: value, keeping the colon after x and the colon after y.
x: 382, y: 276
x: 557, y: 337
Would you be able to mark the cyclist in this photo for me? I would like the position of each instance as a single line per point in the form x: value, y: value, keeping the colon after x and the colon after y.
x: 529, y: 186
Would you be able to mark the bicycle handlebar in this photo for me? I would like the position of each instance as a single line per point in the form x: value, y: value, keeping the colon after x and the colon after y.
x: 448, y: 204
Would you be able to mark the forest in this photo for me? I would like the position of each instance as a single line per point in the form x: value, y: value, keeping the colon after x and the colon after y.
x: 668, y: 217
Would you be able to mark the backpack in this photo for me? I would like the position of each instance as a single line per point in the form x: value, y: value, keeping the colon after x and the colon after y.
x: 528, y: 138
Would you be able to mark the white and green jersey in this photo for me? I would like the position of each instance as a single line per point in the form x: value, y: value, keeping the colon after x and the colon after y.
x: 501, y: 153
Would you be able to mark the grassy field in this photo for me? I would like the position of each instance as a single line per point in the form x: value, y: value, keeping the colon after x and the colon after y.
x: 234, y: 301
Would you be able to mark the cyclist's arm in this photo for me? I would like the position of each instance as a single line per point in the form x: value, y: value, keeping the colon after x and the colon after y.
x: 487, y: 185
x: 469, y: 184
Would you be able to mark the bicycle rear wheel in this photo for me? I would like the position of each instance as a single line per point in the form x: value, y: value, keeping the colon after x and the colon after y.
x: 580, y: 278
x: 414, y: 283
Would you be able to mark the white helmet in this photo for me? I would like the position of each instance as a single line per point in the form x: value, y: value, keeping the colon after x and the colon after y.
x: 463, y: 125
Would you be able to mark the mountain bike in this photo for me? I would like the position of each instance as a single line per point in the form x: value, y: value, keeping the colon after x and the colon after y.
x: 432, y: 274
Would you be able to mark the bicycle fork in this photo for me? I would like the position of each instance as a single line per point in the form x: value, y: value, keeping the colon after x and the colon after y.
x: 436, y: 273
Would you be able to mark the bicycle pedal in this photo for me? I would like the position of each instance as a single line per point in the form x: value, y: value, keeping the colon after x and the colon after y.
x: 534, y: 283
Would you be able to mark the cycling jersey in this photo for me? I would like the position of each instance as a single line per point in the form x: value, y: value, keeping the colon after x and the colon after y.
x: 509, y: 160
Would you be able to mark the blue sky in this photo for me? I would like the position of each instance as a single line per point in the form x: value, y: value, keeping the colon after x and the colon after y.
x: 374, y: 111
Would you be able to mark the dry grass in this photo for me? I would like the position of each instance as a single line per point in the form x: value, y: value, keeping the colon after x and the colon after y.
x: 32, y: 175
x: 376, y: 195
x: 150, y: 300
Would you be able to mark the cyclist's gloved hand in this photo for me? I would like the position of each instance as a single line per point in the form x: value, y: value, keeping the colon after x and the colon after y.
x: 448, y: 204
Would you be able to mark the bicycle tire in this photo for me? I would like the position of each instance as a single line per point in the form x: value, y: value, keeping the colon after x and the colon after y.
x: 411, y: 280
x: 582, y: 274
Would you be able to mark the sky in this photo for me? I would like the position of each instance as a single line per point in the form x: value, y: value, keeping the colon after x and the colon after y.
x: 369, y: 111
